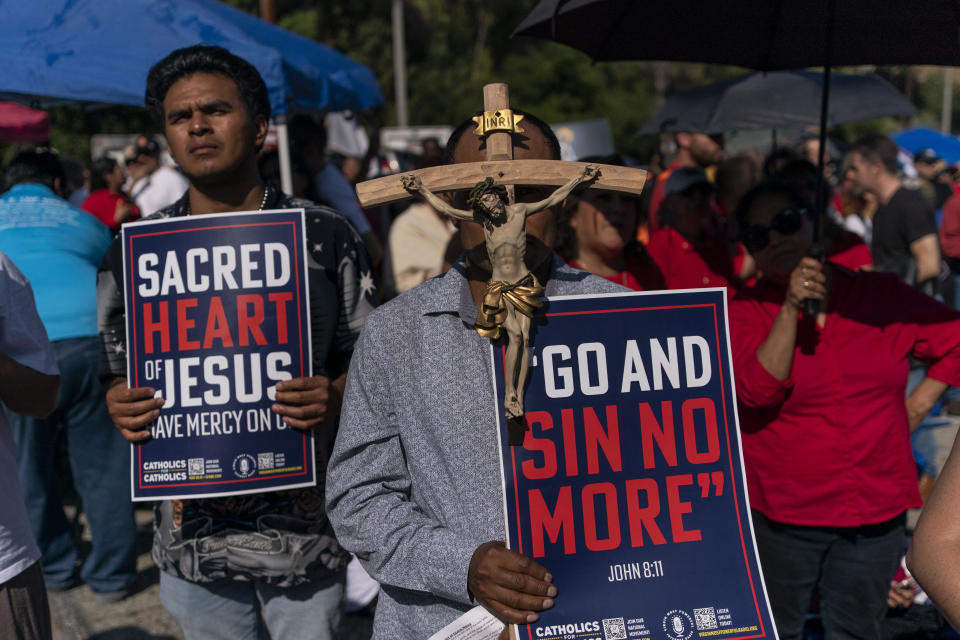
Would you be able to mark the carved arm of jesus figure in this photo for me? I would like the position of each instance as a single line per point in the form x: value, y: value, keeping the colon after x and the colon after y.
x: 414, y: 184
x: 589, y: 173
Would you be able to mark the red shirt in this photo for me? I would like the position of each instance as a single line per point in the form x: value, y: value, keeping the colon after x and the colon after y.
x: 659, y: 194
x: 850, y: 251
x: 641, y: 274
x: 830, y: 445
x: 103, y: 204
x: 684, y: 267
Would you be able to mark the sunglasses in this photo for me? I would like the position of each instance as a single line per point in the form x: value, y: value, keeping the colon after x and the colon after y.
x: 756, y: 237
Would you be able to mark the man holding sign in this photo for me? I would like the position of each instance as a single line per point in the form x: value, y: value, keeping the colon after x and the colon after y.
x: 414, y: 484
x: 222, y: 560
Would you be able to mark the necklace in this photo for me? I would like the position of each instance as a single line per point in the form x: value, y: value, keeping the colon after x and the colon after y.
x: 263, y: 201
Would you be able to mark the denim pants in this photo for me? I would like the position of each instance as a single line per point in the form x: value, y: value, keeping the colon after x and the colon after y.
x: 235, y: 610
x: 850, y: 566
x: 100, y: 463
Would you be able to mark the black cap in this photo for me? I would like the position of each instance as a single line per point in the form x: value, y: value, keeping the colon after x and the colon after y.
x: 926, y: 156
x: 142, y: 146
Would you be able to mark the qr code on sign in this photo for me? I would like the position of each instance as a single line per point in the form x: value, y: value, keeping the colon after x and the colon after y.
x: 195, y: 466
x: 265, y: 460
x: 614, y: 629
x: 706, y: 618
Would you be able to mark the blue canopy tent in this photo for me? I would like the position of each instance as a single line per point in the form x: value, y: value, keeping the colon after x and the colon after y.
x: 350, y: 85
x: 913, y: 140
x: 99, y: 51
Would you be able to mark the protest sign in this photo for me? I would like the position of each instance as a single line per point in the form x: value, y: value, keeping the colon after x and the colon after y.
x: 217, y: 314
x: 629, y: 486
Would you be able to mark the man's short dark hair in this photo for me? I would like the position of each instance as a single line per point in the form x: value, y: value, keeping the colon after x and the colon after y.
x: 878, y: 148
x: 528, y: 120
x: 206, y: 59
x: 36, y: 166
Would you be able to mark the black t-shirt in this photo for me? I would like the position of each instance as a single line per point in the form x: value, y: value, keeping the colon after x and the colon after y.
x: 935, y: 192
x: 905, y: 218
x: 942, y: 193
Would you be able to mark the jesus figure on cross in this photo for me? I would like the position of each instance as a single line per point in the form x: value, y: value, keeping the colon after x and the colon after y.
x: 513, y: 293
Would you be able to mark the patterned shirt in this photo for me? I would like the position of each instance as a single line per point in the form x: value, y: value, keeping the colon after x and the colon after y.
x: 281, y: 537
x: 414, y: 483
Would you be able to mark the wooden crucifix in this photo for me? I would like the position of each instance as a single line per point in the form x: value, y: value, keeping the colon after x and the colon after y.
x: 513, y: 292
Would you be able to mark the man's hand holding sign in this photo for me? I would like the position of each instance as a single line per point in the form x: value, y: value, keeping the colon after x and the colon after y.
x: 307, y: 403
x: 511, y: 585
x: 133, y: 410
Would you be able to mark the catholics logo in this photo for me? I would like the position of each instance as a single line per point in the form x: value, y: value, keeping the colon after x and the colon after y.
x: 678, y: 625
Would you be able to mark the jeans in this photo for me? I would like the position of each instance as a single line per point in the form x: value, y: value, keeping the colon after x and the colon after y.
x: 100, y: 463
x: 851, y: 566
x: 231, y: 609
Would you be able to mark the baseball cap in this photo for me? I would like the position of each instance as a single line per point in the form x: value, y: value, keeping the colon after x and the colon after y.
x: 926, y: 156
x: 683, y: 178
x: 142, y: 145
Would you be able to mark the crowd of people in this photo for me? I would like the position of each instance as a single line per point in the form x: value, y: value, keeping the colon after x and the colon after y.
x: 827, y: 400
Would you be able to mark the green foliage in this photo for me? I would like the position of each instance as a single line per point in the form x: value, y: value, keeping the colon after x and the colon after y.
x: 929, y: 99
x: 72, y: 126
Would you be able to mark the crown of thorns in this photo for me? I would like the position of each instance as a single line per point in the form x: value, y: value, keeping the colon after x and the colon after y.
x: 483, y: 187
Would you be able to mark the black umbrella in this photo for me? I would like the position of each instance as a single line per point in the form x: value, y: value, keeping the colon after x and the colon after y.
x: 780, y: 99
x: 759, y: 34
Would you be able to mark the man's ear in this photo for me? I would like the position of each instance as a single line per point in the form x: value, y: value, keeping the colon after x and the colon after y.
x: 683, y: 140
x: 58, y: 188
x: 260, y: 126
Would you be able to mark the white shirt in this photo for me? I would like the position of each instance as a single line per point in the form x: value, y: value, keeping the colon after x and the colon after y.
x: 160, y: 189
x: 418, y: 240
x: 22, y: 338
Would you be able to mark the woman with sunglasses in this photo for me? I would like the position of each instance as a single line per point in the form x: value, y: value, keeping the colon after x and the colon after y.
x: 825, y: 427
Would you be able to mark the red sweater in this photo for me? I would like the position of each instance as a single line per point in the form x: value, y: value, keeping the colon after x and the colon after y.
x: 659, y: 195
x: 684, y: 267
x: 830, y: 445
x: 103, y: 204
